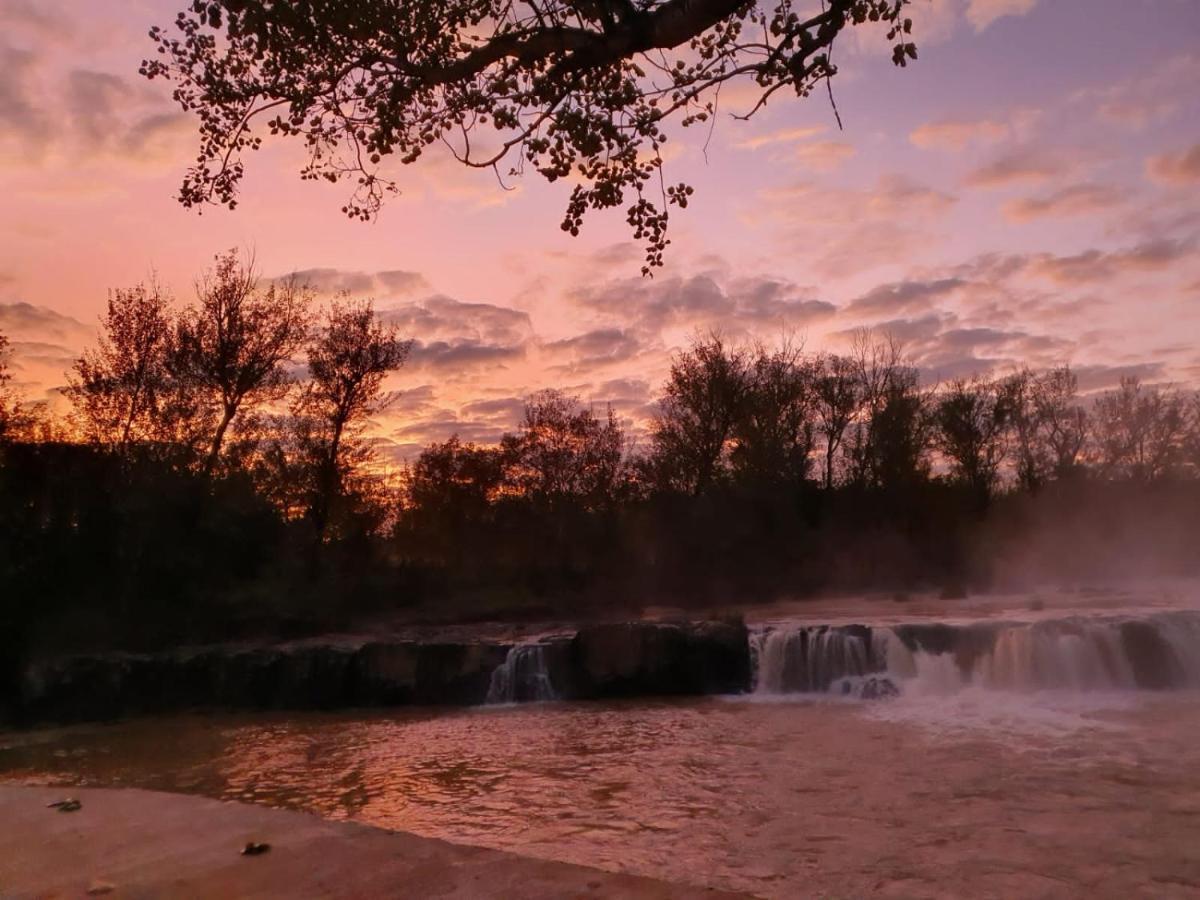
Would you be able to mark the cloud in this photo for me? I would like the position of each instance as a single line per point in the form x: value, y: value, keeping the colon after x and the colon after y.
x: 1017, y: 167
x: 24, y: 124
x: 1097, y: 265
x: 838, y: 232
x: 982, y: 13
x: 783, y: 135
x: 956, y: 134
x: 460, y: 354
x: 41, y: 18
x: 1101, y: 377
x: 447, y: 319
x: 710, y: 300
x: 1150, y: 95
x: 1074, y: 200
x: 1176, y: 168
x: 337, y: 281
x: 903, y: 296
x: 37, y: 323
x: 823, y: 156
x: 603, y: 346
x: 81, y: 116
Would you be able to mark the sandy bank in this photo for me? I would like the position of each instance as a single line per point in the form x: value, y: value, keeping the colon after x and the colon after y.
x: 150, y: 844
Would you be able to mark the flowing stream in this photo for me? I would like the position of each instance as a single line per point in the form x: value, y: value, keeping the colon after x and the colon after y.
x: 1055, y: 757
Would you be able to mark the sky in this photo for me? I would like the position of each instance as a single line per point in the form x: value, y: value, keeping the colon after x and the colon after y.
x: 1027, y: 193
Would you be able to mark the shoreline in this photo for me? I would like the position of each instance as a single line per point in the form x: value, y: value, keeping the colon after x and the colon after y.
x: 127, y: 842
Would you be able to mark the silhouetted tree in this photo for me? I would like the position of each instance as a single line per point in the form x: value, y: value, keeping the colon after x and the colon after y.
x: 581, y: 89
x: 232, y: 347
x: 1062, y: 420
x: 702, y: 401
x: 9, y: 406
x: 453, y: 484
x: 1139, y: 430
x: 900, y: 433
x: 348, y: 361
x: 891, y: 433
x: 773, y: 432
x: 1191, y: 439
x: 564, y: 454
x: 973, y: 420
x: 837, y: 396
x: 117, y: 388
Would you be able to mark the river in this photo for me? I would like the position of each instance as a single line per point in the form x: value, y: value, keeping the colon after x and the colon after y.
x: 1031, y: 779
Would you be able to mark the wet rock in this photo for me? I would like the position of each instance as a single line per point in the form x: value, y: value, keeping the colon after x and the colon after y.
x: 1151, y: 657
x: 385, y: 674
x: 313, y: 677
x: 641, y: 659
x: 878, y: 688
x: 457, y: 674
x: 967, y: 643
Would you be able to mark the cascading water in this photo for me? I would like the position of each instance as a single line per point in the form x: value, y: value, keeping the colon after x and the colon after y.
x: 1073, y: 654
x: 813, y: 659
x: 523, y: 676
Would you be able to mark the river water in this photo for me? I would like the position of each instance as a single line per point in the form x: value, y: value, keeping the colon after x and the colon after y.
x: 992, y: 785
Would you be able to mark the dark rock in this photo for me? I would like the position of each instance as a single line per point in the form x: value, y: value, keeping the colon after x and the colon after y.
x: 385, y: 674
x: 457, y: 674
x: 640, y: 659
x: 966, y: 642
x: 1151, y: 657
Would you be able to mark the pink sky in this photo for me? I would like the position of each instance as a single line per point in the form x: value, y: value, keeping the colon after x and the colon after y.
x: 1028, y: 192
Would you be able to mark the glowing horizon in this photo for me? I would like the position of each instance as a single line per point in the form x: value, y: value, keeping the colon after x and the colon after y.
x: 1027, y: 193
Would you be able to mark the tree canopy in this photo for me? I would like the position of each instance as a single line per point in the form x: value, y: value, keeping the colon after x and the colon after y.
x: 579, y: 89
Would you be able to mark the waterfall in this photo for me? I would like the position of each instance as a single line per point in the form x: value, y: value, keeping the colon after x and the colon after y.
x: 1157, y: 651
x: 523, y: 676
x: 809, y: 658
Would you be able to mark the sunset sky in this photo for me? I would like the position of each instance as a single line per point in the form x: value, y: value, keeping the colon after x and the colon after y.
x: 1028, y: 192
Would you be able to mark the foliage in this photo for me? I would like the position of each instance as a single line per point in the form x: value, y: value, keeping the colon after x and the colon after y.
x: 579, y: 89
x: 232, y: 346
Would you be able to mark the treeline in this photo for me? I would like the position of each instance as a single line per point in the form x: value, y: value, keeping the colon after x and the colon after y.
x: 209, y: 479
x: 215, y: 478
x: 769, y: 470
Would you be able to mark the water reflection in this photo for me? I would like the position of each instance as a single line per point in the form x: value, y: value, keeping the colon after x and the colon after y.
x: 782, y: 799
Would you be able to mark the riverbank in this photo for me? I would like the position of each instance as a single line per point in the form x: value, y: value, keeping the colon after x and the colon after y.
x: 1028, y: 643
x: 134, y: 843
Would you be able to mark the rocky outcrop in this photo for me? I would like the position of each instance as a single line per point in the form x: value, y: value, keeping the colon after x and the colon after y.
x: 598, y: 661
x: 310, y: 675
x: 660, y: 658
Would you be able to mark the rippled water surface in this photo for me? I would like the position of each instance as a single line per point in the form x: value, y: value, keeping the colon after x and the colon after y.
x: 973, y: 795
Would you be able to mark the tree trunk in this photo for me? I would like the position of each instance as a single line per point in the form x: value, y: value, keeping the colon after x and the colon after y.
x: 218, y: 438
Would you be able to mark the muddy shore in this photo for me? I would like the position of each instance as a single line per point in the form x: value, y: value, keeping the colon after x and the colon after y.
x: 133, y: 843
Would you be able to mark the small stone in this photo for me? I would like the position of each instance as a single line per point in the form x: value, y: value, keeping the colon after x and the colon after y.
x: 97, y: 888
x: 68, y: 805
x: 254, y: 848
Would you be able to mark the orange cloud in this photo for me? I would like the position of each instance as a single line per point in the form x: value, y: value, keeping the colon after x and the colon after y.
x: 1077, y: 199
x: 1176, y: 168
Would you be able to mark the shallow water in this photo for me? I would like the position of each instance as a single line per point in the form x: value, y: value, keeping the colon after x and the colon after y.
x: 981, y: 793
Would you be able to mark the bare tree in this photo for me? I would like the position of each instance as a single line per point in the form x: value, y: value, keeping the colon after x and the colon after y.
x: 10, y: 407
x: 702, y: 401
x: 1062, y: 419
x: 1030, y: 458
x: 1139, y: 430
x: 837, y: 396
x: 348, y: 361
x: 117, y: 387
x: 234, y: 344
x: 773, y: 434
x: 564, y: 453
x: 890, y: 433
x: 1191, y: 440
x: 973, y: 419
